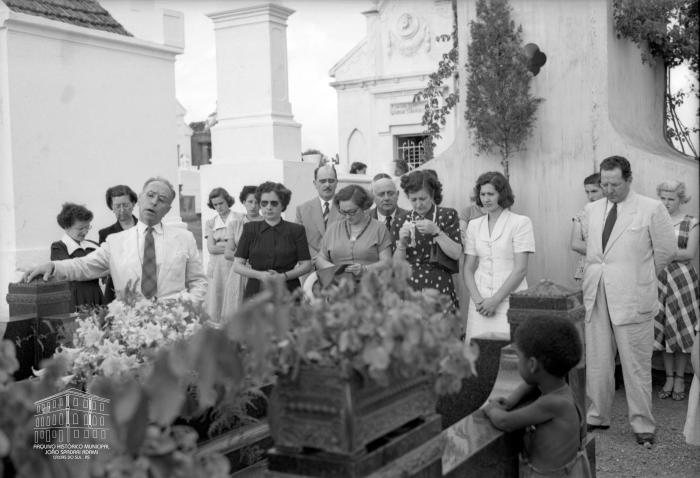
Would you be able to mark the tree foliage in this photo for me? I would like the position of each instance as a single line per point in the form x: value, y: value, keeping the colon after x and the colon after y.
x: 500, y: 109
x: 439, y: 100
x: 666, y: 31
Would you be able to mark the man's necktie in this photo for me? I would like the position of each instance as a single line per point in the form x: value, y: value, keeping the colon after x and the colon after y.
x: 149, y: 276
x: 326, y: 212
x: 609, y: 223
x: 387, y: 221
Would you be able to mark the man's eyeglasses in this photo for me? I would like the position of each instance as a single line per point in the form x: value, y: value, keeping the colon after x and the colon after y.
x: 349, y: 213
x: 270, y: 203
x: 327, y: 181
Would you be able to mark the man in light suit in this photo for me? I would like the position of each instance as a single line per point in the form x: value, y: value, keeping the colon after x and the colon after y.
x: 317, y: 213
x: 387, y: 211
x: 163, y: 259
x: 630, y: 239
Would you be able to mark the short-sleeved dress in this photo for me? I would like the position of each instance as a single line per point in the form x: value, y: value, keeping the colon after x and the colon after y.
x: 277, y: 248
x: 85, y: 292
x: 679, y: 305
x: 338, y: 248
x: 511, y: 234
x: 218, y: 267
x: 235, y: 283
x: 426, y: 274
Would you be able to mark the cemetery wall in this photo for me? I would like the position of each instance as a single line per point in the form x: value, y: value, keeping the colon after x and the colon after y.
x: 599, y: 100
x: 82, y: 110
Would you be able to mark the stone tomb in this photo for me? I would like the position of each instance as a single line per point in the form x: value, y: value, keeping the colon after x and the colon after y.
x: 39, y: 315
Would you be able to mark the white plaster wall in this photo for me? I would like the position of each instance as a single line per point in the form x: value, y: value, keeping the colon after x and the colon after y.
x: 81, y: 111
x: 599, y: 100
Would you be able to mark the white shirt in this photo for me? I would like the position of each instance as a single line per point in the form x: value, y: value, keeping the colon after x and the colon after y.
x: 72, y: 245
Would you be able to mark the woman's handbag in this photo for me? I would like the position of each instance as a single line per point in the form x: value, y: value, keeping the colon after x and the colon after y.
x: 437, y: 256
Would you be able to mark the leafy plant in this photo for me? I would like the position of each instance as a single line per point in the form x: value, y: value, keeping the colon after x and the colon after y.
x: 500, y: 109
x: 438, y: 105
x: 379, y: 328
x: 666, y: 31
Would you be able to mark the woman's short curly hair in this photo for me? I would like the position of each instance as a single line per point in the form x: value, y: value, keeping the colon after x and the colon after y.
x: 220, y: 192
x: 673, y: 186
x: 247, y: 191
x: 120, y: 190
x: 506, y: 198
x: 283, y: 194
x: 357, y: 194
x: 553, y: 341
x: 422, y: 179
x: 71, y: 213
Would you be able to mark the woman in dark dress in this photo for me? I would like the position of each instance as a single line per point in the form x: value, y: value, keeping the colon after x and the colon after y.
x: 121, y: 200
x: 424, y: 229
x: 273, y: 247
x: 75, y: 221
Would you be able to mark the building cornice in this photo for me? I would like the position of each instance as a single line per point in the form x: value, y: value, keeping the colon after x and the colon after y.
x: 55, y: 30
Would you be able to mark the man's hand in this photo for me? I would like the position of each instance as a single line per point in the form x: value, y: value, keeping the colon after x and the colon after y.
x: 45, y: 270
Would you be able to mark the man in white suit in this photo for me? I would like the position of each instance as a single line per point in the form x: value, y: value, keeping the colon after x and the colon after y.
x: 317, y: 213
x: 162, y: 260
x: 630, y: 239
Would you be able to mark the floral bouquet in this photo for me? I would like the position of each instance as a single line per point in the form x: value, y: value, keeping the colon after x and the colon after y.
x: 122, y: 339
x: 380, y: 328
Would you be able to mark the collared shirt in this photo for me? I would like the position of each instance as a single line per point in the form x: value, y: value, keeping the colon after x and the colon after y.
x: 158, y: 235
x: 338, y: 247
x: 323, y: 203
x: 72, y: 245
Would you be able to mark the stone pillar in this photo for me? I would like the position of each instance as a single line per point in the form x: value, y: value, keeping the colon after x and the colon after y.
x: 256, y: 138
x: 254, y: 114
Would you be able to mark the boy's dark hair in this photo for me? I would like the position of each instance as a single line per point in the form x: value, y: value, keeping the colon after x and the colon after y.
x: 554, y: 342
x: 592, y: 179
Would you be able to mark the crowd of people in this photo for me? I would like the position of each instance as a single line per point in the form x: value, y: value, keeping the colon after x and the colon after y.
x: 639, y: 287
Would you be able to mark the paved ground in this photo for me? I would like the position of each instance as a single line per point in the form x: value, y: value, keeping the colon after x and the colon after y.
x: 619, y: 456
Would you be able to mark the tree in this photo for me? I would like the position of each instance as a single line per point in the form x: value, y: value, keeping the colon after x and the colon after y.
x: 668, y: 32
x: 500, y: 109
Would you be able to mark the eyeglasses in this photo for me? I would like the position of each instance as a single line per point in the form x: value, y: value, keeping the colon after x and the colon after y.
x: 122, y: 207
x: 349, y: 213
x: 327, y: 181
x: 271, y: 203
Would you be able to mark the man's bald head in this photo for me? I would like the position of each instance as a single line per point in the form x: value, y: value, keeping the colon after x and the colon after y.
x: 385, y: 196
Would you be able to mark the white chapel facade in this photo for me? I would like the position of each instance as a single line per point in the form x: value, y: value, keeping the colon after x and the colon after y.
x: 376, y: 81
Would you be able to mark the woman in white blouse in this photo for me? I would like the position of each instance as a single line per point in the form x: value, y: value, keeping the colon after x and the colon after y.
x: 498, y: 247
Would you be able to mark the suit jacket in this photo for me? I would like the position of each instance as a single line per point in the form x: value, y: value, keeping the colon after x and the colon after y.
x: 642, y: 241
x: 310, y: 215
x: 396, y: 218
x: 114, y: 228
x: 179, y: 266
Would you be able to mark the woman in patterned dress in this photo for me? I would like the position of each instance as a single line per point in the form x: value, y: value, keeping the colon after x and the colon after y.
x: 235, y: 283
x: 215, y: 233
x: 424, y: 229
x: 674, y: 325
x: 498, y: 248
x: 75, y: 221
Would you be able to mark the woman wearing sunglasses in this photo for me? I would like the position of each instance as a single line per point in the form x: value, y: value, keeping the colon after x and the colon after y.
x: 358, y: 241
x: 273, y: 247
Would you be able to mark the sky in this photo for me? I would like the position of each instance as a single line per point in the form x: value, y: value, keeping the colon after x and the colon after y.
x: 319, y: 34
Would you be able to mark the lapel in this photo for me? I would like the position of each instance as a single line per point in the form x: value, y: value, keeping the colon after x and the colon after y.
x: 498, y: 228
x: 623, y: 221
x: 317, y: 214
x: 373, y: 213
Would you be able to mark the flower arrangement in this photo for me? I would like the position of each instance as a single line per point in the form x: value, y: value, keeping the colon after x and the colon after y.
x: 122, y: 339
x: 380, y: 328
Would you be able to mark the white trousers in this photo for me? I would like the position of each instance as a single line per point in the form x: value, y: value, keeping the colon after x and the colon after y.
x: 635, y: 343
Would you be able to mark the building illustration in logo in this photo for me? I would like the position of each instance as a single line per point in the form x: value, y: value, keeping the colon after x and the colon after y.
x: 71, y: 416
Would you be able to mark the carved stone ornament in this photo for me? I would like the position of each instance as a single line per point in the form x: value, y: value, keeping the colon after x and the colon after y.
x: 409, y: 34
